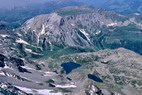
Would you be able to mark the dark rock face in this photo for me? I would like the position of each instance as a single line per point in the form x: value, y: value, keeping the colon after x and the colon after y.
x: 2, y: 58
x: 16, y: 61
x: 61, y: 22
x: 2, y: 64
x: 23, y: 70
x: 11, y: 61
x: 2, y: 26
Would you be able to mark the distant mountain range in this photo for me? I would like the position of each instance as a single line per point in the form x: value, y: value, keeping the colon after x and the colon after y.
x: 18, y: 15
x: 123, y: 6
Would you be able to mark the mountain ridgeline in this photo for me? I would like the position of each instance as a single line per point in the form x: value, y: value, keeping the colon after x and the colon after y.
x: 17, y: 15
x: 126, y: 7
x: 83, y: 28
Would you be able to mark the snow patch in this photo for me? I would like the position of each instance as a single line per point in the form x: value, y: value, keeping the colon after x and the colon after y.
x: 98, y: 32
x: 66, y: 86
x: 137, y: 14
x: 22, y: 41
x: 6, y: 74
x: 29, y: 27
x: 50, y: 74
x: 94, y: 88
x: 112, y: 24
x: 38, y: 91
x: 2, y: 73
x: 85, y: 34
x: 30, y: 51
x: 4, y: 35
x: 43, y: 30
x: 27, y: 67
x: 72, y: 24
x: 3, y: 85
x: 51, y: 47
x: 47, y: 92
x: 19, y: 34
x: 6, y: 67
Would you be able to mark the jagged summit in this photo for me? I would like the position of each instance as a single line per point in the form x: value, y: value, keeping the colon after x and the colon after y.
x: 65, y: 30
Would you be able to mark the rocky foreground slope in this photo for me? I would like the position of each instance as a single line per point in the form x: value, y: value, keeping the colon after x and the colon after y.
x: 116, y: 72
x: 23, y: 77
x: 119, y: 71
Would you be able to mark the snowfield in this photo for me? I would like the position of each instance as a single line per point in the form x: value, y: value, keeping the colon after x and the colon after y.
x: 38, y: 91
x: 22, y: 41
x: 66, y: 86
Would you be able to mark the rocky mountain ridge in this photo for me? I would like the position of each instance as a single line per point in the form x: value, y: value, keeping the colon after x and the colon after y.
x: 93, y: 29
x: 118, y: 69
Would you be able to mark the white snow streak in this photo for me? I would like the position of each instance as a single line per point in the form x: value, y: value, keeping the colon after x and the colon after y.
x: 38, y: 91
x: 4, y: 35
x: 50, y: 74
x: 27, y: 67
x: 98, y: 32
x: 30, y: 51
x: 22, y: 41
x: 112, y: 24
x: 66, y: 86
x: 43, y: 30
x: 85, y: 34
